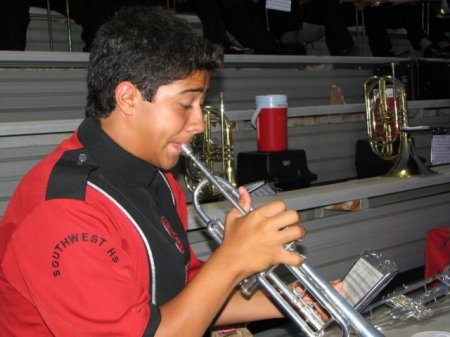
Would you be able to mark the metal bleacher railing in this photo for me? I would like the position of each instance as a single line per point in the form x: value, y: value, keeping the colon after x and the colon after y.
x: 50, y: 25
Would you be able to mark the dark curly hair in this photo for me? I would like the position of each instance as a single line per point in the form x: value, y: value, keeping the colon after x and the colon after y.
x: 147, y: 46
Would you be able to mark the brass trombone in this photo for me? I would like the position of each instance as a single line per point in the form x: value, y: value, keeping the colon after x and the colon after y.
x: 288, y: 300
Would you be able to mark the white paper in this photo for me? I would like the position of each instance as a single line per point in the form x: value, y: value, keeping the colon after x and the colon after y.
x: 279, y: 5
x: 440, y: 149
x: 360, y: 280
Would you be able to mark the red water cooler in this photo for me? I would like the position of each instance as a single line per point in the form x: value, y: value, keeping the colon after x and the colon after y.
x: 270, y: 120
x: 273, y: 162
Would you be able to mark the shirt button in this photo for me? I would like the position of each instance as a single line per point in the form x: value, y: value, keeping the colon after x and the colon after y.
x: 82, y: 157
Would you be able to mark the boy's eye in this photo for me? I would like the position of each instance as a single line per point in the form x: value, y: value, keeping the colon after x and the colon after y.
x: 186, y: 106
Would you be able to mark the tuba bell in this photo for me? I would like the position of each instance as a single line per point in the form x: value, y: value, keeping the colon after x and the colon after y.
x: 216, y: 154
x: 387, y: 126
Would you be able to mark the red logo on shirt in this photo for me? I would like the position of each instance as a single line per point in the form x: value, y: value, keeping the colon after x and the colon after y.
x: 173, y: 234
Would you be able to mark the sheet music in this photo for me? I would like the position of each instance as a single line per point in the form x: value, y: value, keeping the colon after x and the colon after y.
x: 260, y: 188
x: 440, y: 149
x: 279, y: 5
x: 360, y: 279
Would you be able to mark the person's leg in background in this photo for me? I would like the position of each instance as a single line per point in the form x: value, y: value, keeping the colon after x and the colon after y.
x: 246, y: 22
x: 375, y: 25
x: 437, y: 30
x: 330, y: 14
x: 409, y: 16
x: 14, y: 21
x: 209, y: 14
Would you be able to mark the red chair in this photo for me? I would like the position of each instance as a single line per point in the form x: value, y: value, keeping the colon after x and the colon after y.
x: 437, y: 251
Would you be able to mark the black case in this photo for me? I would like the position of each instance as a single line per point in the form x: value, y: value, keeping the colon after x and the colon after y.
x: 288, y: 169
x: 368, y: 164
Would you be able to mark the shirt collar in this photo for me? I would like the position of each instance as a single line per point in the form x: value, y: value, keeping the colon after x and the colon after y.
x: 111, y: 156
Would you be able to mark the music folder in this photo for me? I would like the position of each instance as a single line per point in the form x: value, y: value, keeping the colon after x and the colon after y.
x: 440, y: 149
x: 366, y: 278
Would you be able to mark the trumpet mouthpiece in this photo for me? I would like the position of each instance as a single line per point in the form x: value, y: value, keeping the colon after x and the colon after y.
x: 186, y: 150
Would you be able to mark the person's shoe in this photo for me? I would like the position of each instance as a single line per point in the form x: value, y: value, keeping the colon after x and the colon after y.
x: 350, y: 51
x: 291, y: 49
x: 446, y: 49
x: 401, y: 53
x: 390, y: 53
x: 283, y: 49
x: 431, y: 52
x: 234, y: 49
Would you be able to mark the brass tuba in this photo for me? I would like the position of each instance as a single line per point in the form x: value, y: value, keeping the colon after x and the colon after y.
x: 215, y: 154
x: 387, y: 126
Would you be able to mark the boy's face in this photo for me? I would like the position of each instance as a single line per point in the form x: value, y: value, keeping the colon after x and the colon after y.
x: 156, y: 130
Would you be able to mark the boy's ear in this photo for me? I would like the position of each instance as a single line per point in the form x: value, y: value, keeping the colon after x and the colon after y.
x: 126, y: 94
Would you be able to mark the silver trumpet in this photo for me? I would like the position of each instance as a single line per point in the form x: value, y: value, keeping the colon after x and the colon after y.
x: 288, y: 300
x: 417, y: 301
